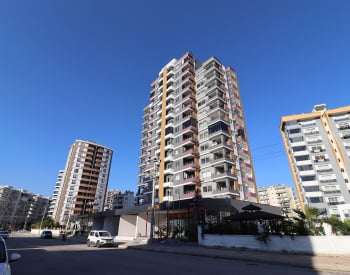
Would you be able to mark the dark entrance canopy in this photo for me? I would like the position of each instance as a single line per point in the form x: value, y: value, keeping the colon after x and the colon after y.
x: 256, y: 215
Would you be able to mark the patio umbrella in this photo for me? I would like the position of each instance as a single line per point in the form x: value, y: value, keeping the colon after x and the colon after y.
x: 251, y: 207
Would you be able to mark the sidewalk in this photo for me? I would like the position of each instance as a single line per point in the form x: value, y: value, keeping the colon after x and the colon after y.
x: 340, y: 263
x: 324, y: 262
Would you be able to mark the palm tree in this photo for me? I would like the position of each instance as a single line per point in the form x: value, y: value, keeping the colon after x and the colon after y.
x: 307, y: 220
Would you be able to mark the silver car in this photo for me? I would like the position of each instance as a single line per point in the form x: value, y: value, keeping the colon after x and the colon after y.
x: 100, y: 238
x: 6, y: 258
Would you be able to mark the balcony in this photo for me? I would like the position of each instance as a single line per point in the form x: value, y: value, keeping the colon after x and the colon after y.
x: 191, y: 180
x: 222, y: 175
x: 168, y: 171
x: 189, y: 195
x: 168, y: 184
x: 192, y: 152
x: 191, y: 129
x: 169, y: 147
x: 190, y: 140
x: 245, y: 165
x: 190, y: 166
x: 169, y: 158
x: 226, y: 190
x: 248, y: 180
x: 307, y: 173
x: 186, y: 107
x: 217, y: 160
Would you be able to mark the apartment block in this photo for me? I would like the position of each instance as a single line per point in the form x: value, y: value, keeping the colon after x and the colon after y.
x: 119, y: 200
x: 281, y: 196
x: 56, y: 194
x: 81, y: 187
x: 194, y: 138
x: 318, y: 151
x: 110, y: 197
x: 19, y: 207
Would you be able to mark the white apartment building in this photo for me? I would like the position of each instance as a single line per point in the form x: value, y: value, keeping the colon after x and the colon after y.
x: 318, y: 151
x: 194, y: 139
x: 81, y: 188
x: 56, y: 194
x: 19, y: 207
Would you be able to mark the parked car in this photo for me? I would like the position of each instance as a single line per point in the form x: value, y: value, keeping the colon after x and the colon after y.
x: 6, y: 258
x: 5, y: 235
x: 100, y: 238
x: 46, y: 234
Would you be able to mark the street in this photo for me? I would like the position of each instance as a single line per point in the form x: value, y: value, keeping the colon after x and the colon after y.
x: 54, y: 256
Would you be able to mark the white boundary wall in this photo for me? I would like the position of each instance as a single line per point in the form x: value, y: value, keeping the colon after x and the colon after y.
x: 313, y: 245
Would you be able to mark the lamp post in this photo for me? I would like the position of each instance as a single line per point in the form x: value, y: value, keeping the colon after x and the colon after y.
x: 155, y: 163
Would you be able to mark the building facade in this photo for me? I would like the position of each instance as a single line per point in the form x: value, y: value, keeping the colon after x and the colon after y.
x: 56, y: 194
x: 81, y: 188
x: 118, y: 200
x: 110, y: 197
x: 281, y: 196
x: 19, y: 208
x: 194, y: 139
x: 318, y: 151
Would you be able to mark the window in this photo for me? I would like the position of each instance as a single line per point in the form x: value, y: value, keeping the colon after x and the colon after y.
x: 305, y: 168
x: 299, y: 148
x: 315, y: 200
x: 296, y: 139
x: 308, y: 178
x: 204, y: 147
x: 206, y: 174
x: 313, y: 188
x: 294, y: 131
x: 218, y: 126
x: 205, y: 160
x: 301, y: 158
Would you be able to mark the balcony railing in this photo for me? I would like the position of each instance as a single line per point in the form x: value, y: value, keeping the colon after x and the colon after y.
x: 226, y: 190
x: 189, y: 195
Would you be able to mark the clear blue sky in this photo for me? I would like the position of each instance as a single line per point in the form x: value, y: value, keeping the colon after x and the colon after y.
x: 82, y: 70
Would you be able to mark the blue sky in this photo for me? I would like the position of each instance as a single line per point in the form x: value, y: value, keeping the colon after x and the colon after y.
x: 82, y: 70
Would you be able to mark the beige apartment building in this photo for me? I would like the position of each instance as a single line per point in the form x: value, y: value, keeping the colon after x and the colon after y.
x: 81, y: 187
x: 281, y: 196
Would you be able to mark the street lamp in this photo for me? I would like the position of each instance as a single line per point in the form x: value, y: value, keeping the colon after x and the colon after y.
x: 155, y: 163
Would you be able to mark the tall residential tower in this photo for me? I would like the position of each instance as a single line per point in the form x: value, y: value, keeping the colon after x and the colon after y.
x: 194, y: 138
x: 318, y: 150
x: 81, y: 187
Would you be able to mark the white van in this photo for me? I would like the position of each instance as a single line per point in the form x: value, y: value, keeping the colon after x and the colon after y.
x: 100, y: 238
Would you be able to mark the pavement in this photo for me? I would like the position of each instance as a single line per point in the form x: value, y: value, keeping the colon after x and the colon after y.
x: 340, y: 263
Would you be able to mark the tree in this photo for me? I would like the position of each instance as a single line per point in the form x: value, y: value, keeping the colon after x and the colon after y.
x: 339, y: 227
x: 48, y: 222
x: 308, y: 222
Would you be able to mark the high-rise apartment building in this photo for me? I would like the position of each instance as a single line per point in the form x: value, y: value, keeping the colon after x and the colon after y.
x: 19, y: 208
x: 281, y: 196
x: 81, y: 187
x: 318, y: 151
x: 194, y: 137
x: 56, y: 194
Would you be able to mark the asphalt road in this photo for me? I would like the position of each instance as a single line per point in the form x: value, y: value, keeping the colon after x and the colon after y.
x: 53, y: 257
